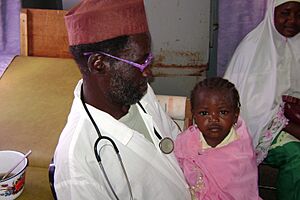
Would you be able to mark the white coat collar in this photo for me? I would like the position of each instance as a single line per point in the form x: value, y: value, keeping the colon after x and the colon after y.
x: 113, y: 128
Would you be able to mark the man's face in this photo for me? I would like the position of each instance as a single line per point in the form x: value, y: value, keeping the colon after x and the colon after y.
x: 287, y: 19
x: 128, y: 84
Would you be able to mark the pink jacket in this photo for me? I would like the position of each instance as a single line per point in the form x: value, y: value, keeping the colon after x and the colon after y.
x: 224, y: 173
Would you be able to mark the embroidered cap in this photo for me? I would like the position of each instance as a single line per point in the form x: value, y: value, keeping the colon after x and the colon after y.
x: 98, y: 20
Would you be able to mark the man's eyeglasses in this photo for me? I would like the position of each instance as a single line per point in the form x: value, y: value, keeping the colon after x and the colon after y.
x: 141, y: 67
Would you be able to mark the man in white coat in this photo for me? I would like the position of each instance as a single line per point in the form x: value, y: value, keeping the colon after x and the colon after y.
x: 110, y: 42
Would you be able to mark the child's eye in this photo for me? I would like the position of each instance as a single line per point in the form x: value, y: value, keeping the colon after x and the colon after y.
x: 203, y: 113
x: 224, y: 112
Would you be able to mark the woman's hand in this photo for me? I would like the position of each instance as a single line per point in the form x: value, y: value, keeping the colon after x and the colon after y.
x: 293, y: 129
x: 292, y: 112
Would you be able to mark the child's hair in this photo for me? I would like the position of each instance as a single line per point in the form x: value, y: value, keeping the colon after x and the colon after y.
x: 219, y: 84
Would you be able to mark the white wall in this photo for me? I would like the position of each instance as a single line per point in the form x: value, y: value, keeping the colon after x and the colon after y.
x: 180, y: 30
x: 180, y: 34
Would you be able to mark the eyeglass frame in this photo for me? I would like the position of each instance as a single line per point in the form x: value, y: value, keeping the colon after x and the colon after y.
x: 141, y: 67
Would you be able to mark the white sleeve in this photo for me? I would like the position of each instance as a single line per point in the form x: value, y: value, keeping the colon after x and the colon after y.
x: 78, y: 189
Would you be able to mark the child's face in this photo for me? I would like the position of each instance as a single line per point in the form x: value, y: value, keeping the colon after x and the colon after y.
x: 214, y: 114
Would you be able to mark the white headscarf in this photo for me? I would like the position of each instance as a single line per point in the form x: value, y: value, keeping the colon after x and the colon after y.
x: 265, y: 66
x: 279, y: 2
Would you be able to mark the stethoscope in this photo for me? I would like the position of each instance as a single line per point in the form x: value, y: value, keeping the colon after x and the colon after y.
x: 166, y: 145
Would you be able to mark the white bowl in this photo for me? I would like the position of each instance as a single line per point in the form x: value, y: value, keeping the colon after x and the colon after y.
x: 12, y: 186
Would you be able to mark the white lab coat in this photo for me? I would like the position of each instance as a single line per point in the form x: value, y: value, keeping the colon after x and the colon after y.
x: 152, y: 174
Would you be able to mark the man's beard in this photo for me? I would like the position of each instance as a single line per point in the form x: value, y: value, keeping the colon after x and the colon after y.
x: 124, y: 91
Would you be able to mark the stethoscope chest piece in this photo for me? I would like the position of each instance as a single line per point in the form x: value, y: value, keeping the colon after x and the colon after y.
x: 166, y: 145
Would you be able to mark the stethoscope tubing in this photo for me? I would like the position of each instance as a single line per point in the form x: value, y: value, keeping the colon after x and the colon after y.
x: 98, y: 157
x: 101, y: 137
x: 102, y: 167
x: 96, y: 146
x: 155, y: 131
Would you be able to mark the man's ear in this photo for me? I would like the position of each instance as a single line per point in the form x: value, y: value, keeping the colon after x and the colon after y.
x: 96, y: 64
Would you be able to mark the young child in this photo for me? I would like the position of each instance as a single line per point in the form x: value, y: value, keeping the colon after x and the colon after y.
x: 216, y: 153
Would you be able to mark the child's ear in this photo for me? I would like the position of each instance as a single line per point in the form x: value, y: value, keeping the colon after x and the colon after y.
x: 193, y: 115
x: 237, y: 113
x: 193, y: 119
x: 96, y: 64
